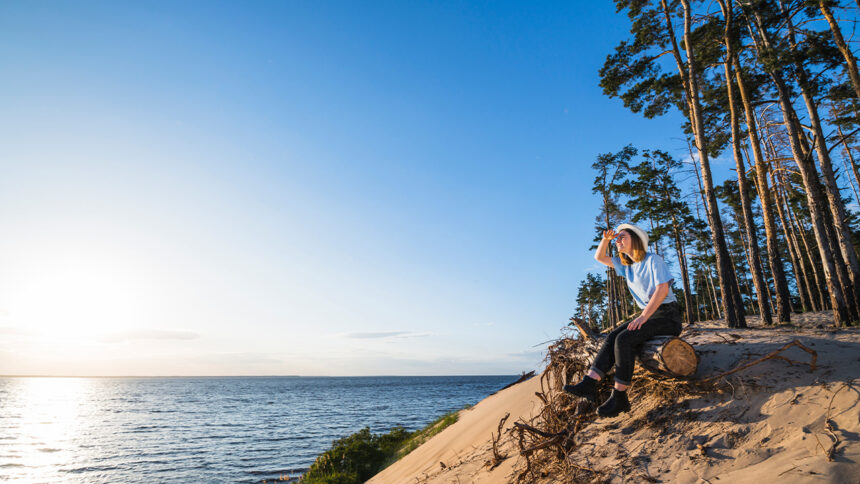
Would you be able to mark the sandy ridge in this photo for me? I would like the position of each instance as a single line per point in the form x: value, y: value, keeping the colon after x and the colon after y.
x: 772, y: 426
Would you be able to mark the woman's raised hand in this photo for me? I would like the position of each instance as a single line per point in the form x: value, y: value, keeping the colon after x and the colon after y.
x: 609, y: 234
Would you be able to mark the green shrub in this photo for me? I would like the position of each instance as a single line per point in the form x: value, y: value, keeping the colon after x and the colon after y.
x: 423, y: 435
x: 358, y: 457
x: 355, y: 458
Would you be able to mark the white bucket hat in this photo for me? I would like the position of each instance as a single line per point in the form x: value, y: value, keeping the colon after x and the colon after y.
x: 643, y: 236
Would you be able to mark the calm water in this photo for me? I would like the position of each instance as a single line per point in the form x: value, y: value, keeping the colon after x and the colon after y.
x: 205, y: 429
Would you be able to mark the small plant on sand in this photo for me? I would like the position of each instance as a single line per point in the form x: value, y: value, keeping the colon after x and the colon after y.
x: 425, y: 434
x: 358, y: 457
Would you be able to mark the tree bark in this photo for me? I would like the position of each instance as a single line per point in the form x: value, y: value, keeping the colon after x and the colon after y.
x: 813, y: 195
x: 855, y: 188
x: 805, y: 254
x: 685, y: 276
x: 854, y: 170
x: 754, y: 259
x: 682, y: 258
x: 840, y: 230
x: 842, y: 45
x: 716, y: 299
x: 783, y: 297
x: 800, y: 276
x: 731, y: 301
x: 848, y: 270
x: 820, y: 283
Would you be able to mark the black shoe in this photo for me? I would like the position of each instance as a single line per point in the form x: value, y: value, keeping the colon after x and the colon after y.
x: 615, y: 404
x: 586, y: 389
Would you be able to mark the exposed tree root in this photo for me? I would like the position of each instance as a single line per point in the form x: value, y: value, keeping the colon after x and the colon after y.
x: 829, y: 424
x: 497, y: 456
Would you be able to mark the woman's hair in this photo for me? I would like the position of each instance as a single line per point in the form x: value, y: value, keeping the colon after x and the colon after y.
x: 637, y: 250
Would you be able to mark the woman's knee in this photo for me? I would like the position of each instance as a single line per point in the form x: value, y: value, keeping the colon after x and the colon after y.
x: 611, y: 338
x: 622, y: 340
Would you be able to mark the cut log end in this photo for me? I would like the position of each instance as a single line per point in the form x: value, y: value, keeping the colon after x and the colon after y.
x: 680, y: 357
x: 669, y: 354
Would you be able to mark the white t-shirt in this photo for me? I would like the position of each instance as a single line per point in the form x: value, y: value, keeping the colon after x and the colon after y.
x: 644, y: 277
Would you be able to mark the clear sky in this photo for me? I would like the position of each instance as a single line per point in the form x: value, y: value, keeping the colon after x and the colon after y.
x: 300, y: 187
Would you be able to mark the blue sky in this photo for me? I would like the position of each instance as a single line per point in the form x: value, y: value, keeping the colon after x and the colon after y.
x: 315, y: 188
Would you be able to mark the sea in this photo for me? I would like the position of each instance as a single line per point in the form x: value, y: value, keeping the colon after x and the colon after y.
x: 212, y: 429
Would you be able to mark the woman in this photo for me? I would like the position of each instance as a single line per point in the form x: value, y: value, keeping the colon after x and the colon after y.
x: 649, y: 281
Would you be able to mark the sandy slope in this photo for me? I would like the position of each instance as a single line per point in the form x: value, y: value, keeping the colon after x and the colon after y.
x: 465, y: 446
x: 770, y: 426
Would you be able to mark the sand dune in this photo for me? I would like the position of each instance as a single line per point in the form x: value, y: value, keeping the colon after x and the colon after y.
x: 770, y: 425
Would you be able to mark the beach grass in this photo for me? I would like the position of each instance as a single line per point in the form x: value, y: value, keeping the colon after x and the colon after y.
x: 359, y: 456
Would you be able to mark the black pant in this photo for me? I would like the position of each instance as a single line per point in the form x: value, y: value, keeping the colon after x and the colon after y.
x: 620, y: 344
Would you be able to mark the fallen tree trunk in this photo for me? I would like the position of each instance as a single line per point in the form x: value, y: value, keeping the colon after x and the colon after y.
x: 663, y: 354
x: 669, y: 354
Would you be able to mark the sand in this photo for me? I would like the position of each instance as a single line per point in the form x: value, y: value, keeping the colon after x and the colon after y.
x: 770, y: 426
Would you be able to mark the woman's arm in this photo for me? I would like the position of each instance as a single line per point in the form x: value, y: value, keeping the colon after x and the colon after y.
x: 600, y: 255
x: 655, y: 302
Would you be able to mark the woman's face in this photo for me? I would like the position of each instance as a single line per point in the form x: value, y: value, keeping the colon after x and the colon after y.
x: 622, y: 242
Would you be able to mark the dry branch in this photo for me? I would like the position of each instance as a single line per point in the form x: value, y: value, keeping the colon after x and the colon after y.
x: 775, y: 354
x: 533, y: 430
x: 584, y: 329
x: 497, y: 456
x: 828, y: 423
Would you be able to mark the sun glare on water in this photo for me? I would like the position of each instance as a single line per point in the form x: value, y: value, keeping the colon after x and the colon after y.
x: 48, y: 414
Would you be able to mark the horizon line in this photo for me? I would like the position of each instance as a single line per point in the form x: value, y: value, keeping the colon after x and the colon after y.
x: 247, y: 376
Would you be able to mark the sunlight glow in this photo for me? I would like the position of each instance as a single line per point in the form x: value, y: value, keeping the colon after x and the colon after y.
x: 75, y: 297
x: 49, y: 411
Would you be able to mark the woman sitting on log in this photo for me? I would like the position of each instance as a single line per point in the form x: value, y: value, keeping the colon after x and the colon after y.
x: 649, y: 281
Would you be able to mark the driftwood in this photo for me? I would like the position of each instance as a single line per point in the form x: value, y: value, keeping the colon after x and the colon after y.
x: 664, y: 354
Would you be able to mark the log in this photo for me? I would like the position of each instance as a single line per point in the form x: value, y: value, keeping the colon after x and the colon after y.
x: 669, y: 354
x: 663, y: 354
x: 585, y: 331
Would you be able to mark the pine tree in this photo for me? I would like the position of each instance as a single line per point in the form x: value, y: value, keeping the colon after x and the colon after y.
x: 634, y: 74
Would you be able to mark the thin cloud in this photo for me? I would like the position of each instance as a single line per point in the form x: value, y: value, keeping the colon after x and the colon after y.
x: 528, y: 354
x: 385, y: 334
x: 149, y: 334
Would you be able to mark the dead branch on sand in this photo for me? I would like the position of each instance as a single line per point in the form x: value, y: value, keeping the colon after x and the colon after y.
x: 498, y: 457
x: 829, y: 424
x: 775, y: 354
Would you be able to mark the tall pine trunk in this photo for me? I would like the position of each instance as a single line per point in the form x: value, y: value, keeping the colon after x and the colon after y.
x: 840, y: 230
x: 854, y: 170
x: 805, y: 254
x: 842, y: 45
x: 731, y: 301
x: 783, y: 297
x: 754, y: 259
x: 815, y: 198
x: 800, y: 276
x: 685, y: 277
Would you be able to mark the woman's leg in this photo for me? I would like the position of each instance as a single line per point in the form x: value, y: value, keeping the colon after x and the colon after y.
x: 587, y: 387
x: 664, y: 321
x: 605, y: 358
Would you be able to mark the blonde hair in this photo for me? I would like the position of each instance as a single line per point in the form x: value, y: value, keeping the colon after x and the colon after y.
x: 637, y: 250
